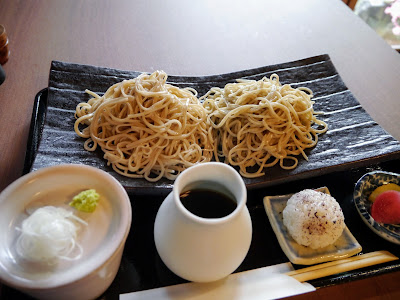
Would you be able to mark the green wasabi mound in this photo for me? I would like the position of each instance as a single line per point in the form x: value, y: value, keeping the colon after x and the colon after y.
x: 85, y: 201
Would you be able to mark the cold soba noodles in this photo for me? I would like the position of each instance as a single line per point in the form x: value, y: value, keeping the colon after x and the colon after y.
x: 261, y: 123
x: 150, y: 129
x: 146, y: 127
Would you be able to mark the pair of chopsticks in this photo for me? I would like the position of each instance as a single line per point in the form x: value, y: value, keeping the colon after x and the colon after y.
x: 342, y: 265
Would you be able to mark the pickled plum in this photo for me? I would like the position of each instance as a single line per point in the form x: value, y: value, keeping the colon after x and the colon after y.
x: 386, y: 208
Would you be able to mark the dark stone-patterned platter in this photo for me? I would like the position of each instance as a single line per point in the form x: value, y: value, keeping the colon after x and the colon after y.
x: 353, y: 138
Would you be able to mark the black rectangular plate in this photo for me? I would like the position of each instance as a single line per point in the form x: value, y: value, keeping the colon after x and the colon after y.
x: 353, y: 138
x: 141, y: 267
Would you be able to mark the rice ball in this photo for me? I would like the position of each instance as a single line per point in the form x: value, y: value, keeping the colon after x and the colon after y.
x: 313, y: 219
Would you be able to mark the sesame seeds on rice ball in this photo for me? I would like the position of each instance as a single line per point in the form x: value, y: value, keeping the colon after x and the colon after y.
x: 313, y: 219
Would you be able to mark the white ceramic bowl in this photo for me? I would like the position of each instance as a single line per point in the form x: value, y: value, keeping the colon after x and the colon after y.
x: 102, y: 240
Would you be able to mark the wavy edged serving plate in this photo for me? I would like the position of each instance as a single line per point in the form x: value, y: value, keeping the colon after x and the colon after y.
x: 353, y: 138
x: 344, y: 247
x: 364, y: 187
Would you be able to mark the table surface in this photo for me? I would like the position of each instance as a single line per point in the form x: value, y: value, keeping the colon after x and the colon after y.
x: 193, y: 38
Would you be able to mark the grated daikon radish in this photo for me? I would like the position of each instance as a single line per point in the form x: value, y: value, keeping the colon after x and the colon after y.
x: 49, y: 234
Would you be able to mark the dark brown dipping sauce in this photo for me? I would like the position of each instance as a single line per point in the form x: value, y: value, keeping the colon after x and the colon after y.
x: 207, y: 203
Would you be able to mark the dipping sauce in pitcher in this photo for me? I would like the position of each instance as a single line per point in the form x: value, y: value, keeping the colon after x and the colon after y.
x: 209, y: 200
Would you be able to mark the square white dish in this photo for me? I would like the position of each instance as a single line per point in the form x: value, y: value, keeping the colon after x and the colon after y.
x: 344, y: 247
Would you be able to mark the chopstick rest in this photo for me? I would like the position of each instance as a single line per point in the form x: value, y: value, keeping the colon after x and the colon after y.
x: 343, y: 265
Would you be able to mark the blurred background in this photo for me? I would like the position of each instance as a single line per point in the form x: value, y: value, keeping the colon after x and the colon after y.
x: 381, y: 15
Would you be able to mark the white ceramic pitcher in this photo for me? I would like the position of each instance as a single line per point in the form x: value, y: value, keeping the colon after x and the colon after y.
x: 200, y: 249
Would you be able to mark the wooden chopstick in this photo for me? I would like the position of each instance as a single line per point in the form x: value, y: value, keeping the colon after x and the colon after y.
x: 342, y: 265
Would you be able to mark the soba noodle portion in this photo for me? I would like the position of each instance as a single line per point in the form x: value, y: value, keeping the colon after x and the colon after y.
x: 257, y: 124
x: 146, y: 127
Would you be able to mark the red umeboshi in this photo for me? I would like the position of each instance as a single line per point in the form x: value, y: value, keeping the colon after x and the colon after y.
x: 386, y: 208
